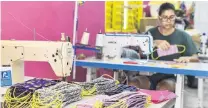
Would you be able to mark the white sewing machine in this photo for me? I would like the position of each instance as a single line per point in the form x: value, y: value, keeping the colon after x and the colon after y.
x: 113, y: 44
x: 58, y: 54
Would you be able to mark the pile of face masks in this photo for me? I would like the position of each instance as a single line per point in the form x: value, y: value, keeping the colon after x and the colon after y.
x: 93, y: 102
x: 127, y: 100
x: 20, y: 95
x: 121, y: 100
x: 38, y: 93
x: 41, y: 93
x: 104, y: 85
x: 57, y: 95
x: 98, y: 86
x: 122, y: 88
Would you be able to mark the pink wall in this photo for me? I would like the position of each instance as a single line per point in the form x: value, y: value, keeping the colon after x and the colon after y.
x: 49, y: 19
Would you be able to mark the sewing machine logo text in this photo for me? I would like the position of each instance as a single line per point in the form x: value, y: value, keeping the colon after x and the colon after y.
x: 5, y: 75
x: 6, y: 79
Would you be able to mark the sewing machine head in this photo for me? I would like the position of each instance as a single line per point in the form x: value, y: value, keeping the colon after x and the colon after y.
x: 58, y: 54
x: 114, y: 43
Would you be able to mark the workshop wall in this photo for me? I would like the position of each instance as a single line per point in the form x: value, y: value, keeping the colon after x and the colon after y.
x: 49, y: 19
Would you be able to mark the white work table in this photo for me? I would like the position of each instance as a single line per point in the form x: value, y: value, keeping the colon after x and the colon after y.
x: 195, y: 69
x: 165, y: 104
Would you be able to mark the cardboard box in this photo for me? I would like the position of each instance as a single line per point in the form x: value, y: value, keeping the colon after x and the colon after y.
x: 147, y: 23
x: 195, y: 35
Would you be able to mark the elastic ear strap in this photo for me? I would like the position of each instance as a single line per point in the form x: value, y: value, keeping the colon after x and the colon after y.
x: 152, y: 55
x: 184, y: 48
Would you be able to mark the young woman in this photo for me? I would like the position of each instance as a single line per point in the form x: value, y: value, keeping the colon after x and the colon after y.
x: 164, y: 36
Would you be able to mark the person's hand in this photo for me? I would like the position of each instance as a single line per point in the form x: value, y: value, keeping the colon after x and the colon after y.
x: 183, y: 60
x: 162, y: 44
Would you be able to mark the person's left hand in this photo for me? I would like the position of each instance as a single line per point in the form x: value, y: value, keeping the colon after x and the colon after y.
x: 183, y: 59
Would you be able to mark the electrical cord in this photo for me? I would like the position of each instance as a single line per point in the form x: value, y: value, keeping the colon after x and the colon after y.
x: 19, y: 21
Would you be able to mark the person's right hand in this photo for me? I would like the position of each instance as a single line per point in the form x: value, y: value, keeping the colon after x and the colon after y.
x: 162, y: 44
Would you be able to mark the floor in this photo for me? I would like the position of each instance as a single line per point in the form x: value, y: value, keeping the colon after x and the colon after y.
x: 190, y: 99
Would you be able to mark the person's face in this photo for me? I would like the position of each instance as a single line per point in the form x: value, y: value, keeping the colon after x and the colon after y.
x: 167, y: 19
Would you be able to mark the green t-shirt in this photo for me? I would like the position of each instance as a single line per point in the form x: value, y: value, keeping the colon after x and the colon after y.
x: 178, y: 37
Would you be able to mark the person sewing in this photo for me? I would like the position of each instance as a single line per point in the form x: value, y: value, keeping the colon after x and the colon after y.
x: 165, y: 37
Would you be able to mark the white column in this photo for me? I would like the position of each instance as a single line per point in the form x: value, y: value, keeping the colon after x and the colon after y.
x: 89, y: 74
x: 200, y: 92
x: 75, y: 35
x: 179, y: 91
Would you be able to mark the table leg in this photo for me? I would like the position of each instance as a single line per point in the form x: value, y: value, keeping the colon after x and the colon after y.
x: 116, y: 74
x: 200, y: 92
x: 89, y: 74
x: 94, y: 73
x: 179, y: 91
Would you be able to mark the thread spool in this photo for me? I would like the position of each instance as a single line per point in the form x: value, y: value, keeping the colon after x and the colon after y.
x: 203, y: 41
x: 67, y: 38
x: 207, y: 52
x: 203, y: 50
x: 85, y: 38
x: 99, y: 40
x: 62, y: 36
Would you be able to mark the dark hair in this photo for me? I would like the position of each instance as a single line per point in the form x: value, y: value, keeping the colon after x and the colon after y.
x: 166, y: 6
